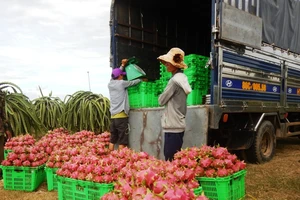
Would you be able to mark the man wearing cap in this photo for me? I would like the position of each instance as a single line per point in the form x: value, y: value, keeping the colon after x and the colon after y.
x: 119, y: 107
x: 174, y: 98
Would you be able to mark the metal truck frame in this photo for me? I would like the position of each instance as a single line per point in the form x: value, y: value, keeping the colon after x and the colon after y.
x: 254, y: 96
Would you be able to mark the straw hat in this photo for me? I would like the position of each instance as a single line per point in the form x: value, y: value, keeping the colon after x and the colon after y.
x: 175, y: 56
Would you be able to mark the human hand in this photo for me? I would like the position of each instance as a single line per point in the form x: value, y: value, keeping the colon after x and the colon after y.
x: 124, y: 62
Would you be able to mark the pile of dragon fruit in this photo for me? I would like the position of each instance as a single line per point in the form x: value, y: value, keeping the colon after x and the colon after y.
x: 208, y: 161
x: 136, y: 175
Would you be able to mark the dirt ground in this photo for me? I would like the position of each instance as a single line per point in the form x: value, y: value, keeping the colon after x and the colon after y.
x: 278, y: 179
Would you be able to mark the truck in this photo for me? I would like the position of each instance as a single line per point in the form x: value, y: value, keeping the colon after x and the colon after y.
x: 253, y: 48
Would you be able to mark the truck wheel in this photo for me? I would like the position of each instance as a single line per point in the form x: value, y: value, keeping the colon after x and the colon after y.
x: 264, y: 144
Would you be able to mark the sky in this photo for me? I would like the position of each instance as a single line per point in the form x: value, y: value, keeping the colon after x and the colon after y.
x: 61, y: 46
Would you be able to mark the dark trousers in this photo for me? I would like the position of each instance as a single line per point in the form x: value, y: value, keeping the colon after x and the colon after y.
x: 119, y: 130
x: 173, y: 143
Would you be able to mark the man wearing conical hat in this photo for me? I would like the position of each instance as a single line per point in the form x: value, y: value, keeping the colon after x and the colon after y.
x: 174, y: 98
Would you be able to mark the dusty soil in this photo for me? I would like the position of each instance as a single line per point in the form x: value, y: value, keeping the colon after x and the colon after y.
x: 41, y: 193
x: 278, y: 179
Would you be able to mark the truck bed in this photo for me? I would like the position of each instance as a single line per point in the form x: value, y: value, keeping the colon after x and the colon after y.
x: 147, y: 29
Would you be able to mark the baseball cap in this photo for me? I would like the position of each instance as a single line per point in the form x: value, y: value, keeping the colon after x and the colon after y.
x: 117, y: 72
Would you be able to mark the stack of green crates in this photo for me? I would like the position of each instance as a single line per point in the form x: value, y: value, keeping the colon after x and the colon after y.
x: 146, y: 94
x: 153, y: 94
x: 143, y: 95
x: 198, y: 75
x: 137, y: 95
x: 164, y: 77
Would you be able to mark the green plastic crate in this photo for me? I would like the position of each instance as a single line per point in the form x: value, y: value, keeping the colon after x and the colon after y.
x: 23, y: 178
x: 144, y: 95
x: 51, y: 178
x: 224, y: 188
x: 195, y: 59
x: 71, y: 189
x: 216, y: 188
x: 238, y: 185
x: 195, y: 97
x: 198, y: 191
x: 6, y: 152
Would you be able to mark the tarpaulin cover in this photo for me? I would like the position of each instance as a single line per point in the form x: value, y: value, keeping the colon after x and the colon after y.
x: 281, y: 23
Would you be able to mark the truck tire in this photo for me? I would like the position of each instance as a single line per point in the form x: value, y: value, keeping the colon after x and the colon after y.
x: 264, y: 144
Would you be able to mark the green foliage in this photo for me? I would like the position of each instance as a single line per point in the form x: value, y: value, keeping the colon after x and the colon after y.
x: 17, y: 110
x: 5, y: 86
x: 86, y: 111
x: 49, y: 110
x: 20, y: 114
x: 80, y: 111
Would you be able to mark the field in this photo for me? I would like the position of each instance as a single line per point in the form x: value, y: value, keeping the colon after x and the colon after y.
x: 278, y: 179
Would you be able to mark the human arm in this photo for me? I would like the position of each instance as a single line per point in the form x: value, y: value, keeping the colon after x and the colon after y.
x: 167, y: 94
x: 131, y: 83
